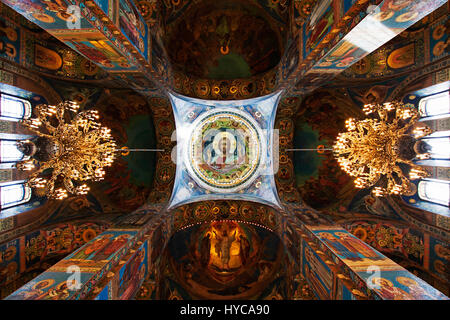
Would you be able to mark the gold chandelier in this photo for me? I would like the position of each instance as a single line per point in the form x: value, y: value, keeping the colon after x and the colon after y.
x: 379, y: 150
x: 71, y: 148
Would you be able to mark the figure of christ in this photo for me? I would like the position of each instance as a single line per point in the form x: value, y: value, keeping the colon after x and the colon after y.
x: 223, y: 246
x: 225, y: 155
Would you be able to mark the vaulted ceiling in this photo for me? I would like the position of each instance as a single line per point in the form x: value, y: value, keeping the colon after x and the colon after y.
x: 224, y: 50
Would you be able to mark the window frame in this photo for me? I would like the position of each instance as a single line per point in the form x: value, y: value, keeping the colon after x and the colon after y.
x: 26, y: 194
x: 422, y: 193
x: 24, y: 157
x: 26, y: 108
x: 424, y: 115
x: 436, y: 156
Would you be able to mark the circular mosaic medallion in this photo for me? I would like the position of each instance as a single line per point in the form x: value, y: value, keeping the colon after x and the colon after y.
x: 224, y: 151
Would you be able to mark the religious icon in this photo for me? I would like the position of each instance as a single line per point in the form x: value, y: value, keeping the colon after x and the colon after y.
x: 383, y: 15
x: 319, y: 27
x: 340, y: 248
x: 442, y: 251
x: 205, y: 249
x: 132, y: 275
x: 223, y: 245
x: 61, y: 291
x: 111, y: 247
x: 96, y: 245
x: 244, y: 248
x: 43, y: 284
x: 389, y: 291
x: 414, y: 288
x: 46, y: 58
x: 131, y: 23
x: 226, y: 149
x: 408, y: 16
x: 43, y: 17
x: 356, y: 245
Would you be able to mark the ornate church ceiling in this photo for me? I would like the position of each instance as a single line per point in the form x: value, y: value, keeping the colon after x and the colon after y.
x: 225, y: 40
x: 226, y: 50
x: 224, y: 260
x: 225, y: 150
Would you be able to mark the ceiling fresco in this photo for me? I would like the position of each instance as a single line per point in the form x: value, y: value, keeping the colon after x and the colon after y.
x: 421, y: 44
x: 131, y: 177
x: 213, y: 214
x: 36, y: 248
x: 40, y: 52
x: 224, y: 40
x: 129, y: 116
x: 252, y: 213
x: 220, y: 172
x: 277, y: 10
x: 224, y: 260
x: 399, y: 239
x: 221, y: 151
x: 321, y: 182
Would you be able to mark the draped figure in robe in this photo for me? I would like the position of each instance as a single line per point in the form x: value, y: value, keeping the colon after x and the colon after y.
x: 223, y: 246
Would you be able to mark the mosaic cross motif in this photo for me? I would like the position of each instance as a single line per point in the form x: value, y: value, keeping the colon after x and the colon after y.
x: 225, y: 150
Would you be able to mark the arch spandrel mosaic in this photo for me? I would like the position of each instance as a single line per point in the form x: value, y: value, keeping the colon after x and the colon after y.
x: 225, y: 150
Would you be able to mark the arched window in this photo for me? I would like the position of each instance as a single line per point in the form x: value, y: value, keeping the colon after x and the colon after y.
x: 435, y: 191
x: 14, y: 194
x: 435, y: 104
x: 440, y: 147
x: 9, y: 151
x: 13, y: 108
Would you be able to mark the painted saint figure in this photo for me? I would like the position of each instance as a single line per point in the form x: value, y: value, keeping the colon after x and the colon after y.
x: 244, y: 248
x: 356, y: 245
x: 92, y: 248
x: 389, y: 291
x: 335, y: 244
x: 223, y: 246
x: 205, y: 249
x: 118, y: 242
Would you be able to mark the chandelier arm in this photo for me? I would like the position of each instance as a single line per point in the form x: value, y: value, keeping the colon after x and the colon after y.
x: 39, y: 133
x: 48, y: 126
x: 42, y: 168
x: 406, y: 128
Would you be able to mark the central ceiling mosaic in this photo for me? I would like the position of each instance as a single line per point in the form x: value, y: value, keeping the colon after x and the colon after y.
x: 225, y: 150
